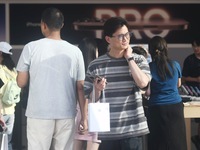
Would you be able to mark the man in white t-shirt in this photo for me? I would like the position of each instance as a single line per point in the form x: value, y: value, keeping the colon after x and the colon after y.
x: 57, y: 73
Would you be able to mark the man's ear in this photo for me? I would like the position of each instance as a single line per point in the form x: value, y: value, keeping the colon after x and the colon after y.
x: 43, y: 25
x: 107, y: 38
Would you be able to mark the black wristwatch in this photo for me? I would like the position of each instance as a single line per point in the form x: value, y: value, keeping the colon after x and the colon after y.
x: 130, y: 58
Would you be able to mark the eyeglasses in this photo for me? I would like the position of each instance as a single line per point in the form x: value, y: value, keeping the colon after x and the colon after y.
x: 122, y: 36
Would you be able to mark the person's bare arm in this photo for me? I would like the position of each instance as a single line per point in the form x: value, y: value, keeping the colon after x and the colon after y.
x: 179, y: 82
x: 139, y: 76
x: 22, y: 79
x: 83, y: 107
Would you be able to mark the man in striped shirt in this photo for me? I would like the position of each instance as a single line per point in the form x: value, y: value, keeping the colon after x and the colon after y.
x: 123, y: 74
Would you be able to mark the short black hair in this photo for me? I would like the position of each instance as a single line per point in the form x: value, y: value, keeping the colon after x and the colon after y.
x: 53, y: 18
x: 113, y: 24
x: 196, y: 42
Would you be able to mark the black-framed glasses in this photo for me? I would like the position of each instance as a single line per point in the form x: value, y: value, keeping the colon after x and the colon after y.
x: 122, y: 36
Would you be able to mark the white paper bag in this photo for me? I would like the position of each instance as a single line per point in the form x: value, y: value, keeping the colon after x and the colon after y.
x: 98, y: 117
x: 4, y: 141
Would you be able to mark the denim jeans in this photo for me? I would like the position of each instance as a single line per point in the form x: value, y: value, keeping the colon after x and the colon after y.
x: 9, y: 120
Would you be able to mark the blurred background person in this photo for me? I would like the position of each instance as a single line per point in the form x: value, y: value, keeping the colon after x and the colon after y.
x: 90, y: 48
x: 191, y: 77
x: 7, y: 70
x: 142, y: 51
x: 191, y: 66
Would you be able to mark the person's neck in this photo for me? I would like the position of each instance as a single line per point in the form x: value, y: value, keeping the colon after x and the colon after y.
x: 116, y: 53
x: 54, y: 35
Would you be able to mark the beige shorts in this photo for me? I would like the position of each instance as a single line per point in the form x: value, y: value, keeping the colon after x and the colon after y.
x: 50, y: 134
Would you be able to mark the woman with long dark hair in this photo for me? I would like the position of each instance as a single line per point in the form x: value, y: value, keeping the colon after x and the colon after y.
x: 165, y: 112
x: 90, y: 49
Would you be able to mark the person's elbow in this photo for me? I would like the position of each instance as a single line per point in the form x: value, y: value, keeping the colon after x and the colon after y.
x: 20, y: 82
x: 80, y: 85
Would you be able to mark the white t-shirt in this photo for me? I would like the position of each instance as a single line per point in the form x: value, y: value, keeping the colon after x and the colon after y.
x: 54, y: 66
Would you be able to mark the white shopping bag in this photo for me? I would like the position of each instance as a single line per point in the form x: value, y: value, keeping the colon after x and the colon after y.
x: 99, y: 117
x: 4, y: 141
